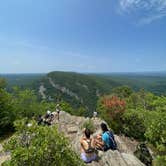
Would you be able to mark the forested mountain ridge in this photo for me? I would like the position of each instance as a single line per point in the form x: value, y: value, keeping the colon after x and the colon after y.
x: 153, y: 82
x: 74, y: 88
x: 83, y: 90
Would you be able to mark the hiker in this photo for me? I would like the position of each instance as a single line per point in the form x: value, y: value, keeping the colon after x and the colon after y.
x: 53, y: 115
x: 47, y: 118
x: 107, y: 137
x: 58, y: 110
x: 87, y: 147
x: 94, y: 114
x: 48, y: 113
x: 40, y: 120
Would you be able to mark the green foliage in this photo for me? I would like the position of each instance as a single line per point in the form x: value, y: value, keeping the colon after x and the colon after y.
x: 39, y: 146
x: 160, y: 161
x: 22, y: 103
x: 134, y: 124
x: 7, y: 115
x: 144, y: 119
x: 82, y: 112
x: 152, y: 83
x: 122, y: 91
x: 25, y: 103
x: 67, y: 107
x: 156, y: 132
x: 89, y: 125
x: 23, y: 81
x: 3, y: 83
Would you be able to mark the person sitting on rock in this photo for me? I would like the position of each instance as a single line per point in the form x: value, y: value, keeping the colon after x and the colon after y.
x: 106, y: 140
x: 47, y: 118
x: 87, y: 147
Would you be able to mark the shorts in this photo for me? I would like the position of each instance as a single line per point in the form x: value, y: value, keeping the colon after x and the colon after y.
x: 87, y: 159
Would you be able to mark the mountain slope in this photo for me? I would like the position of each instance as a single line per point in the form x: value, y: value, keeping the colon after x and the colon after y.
x: 76, y: 89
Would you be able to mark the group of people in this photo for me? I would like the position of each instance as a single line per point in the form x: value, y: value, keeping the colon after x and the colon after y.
x: 89, y: 145
x: 49, y: 117
x: 103, y: 142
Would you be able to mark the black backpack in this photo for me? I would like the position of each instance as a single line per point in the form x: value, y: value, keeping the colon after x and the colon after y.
x: 113, y: 144
x: 90, y: 148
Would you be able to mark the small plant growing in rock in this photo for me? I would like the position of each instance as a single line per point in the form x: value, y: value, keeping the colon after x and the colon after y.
x: 89, y: 125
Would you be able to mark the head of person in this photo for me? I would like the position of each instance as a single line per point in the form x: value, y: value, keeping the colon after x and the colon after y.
x: 87, y: 133
x: 104, y: 127
x: 48, y: 112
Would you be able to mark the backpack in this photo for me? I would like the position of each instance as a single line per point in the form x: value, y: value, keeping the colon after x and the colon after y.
x: 113, y: 144
x: 90, y: 148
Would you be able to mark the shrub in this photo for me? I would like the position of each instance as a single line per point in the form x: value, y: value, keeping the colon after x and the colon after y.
x: 114, y: 105
x: 122, y: 91
x: 156, y: 132
x: 133, y: 124
x: 7, y: 115
x: 89, y: 125
x: 39, y: 146
x: 111, y: 109
x: 160, y: 161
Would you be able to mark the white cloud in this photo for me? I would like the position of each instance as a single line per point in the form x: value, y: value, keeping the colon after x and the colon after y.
x: 147, y: 11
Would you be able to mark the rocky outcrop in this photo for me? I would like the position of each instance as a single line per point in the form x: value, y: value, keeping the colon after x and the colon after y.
x: 63, y: 89
x: 72, y: 128
x: 42, y: 89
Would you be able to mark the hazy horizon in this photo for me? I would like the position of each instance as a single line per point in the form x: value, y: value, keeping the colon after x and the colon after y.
x: 142, y: 72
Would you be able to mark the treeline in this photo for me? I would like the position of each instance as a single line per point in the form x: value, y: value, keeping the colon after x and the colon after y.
x: 140, y: 115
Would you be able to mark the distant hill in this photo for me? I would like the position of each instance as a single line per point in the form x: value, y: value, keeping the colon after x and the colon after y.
x: 21, y: 80
x: 74, y: 88
x: 154, y: 82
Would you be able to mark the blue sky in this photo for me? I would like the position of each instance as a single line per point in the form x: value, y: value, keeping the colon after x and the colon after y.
x: 82, y: 35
